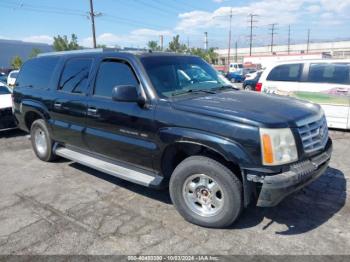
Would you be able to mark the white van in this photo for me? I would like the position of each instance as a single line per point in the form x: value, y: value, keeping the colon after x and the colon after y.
x: 326, y: 82
x: 235, y: 67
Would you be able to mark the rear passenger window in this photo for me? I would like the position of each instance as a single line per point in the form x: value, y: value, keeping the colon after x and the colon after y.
x: 290, y: 72
x: 75, y: 75
x: 37, y: 72
x: 113, y: 73
x: 329, y: 73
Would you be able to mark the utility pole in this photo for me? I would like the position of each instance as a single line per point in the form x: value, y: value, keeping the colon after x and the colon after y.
x: 273, y: 28
x: 251, y: 33
x: 205, y: 41
x: 308, y: 41
x: 236, y: 52
x: 229, y: 42
x: 92, y: 17
x: 288, y: 39
x: 161, y: 42
x: 188, y: 42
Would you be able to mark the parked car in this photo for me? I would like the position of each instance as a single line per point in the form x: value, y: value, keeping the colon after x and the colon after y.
x: 326, y: 82
x: 11, y: 79
x: 235, y: 77
x: 7, y: 120
x: 239, y: 75
x: 249, y: 84
x: 170, y: 120
x: 3, y: 78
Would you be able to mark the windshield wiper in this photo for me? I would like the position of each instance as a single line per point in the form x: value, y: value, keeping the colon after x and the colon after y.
x: 193, y: 91
x: 223, y: 87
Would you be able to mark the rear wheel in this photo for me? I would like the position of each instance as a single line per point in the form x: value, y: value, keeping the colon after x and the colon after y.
x: 41, y: 141
x: 206, y: 192
x: 233, y: 80
x: 248, y: 88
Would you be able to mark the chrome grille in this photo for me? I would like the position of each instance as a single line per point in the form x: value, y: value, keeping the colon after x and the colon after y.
x: 314, y: 134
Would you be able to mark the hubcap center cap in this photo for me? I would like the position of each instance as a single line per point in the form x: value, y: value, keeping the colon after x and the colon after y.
x: 203, y: 195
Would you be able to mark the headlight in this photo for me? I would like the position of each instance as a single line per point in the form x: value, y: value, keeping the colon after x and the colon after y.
x: 277, y: 146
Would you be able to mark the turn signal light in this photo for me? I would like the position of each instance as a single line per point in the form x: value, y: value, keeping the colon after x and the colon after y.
x: 267, y: 147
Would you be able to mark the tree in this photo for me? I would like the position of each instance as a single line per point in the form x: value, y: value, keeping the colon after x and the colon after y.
x: 61, y: 43
x: 35, y: 52
x: 210, y: 55
x: 153, y: 45
x: 176, y: 46
x: 16, y: 62
x: 101, y: 46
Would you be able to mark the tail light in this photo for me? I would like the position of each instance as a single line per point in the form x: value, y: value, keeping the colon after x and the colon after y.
x: 258, y: 87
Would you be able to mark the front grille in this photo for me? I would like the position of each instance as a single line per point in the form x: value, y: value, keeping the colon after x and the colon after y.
x: 314, y: 134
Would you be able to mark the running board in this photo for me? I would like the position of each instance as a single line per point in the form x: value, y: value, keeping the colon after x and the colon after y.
x: 141, y: 177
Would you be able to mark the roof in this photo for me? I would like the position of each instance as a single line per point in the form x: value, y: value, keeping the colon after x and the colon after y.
x: 111, y: 51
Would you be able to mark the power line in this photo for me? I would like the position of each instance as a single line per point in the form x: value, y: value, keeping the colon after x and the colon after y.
x: 251, y: 32
x: 273, y: 28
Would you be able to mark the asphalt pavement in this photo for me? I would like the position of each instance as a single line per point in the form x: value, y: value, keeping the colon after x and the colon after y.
x: 66, y: 208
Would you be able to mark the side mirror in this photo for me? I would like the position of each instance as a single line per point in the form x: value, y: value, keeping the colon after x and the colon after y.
x: 127, y: 93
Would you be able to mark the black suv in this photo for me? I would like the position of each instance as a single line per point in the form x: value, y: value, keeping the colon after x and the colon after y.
x: 170, y: 120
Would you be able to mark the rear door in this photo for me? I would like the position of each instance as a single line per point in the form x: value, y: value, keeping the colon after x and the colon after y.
x: 69, y: 107
x: 283, y: 79
x: 328, y: 84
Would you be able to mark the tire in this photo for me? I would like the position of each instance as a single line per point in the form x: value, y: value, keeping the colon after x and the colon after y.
x: 233, y: 80
x: 248, y: 88
x: 228, y: 203
x: 41, y: 141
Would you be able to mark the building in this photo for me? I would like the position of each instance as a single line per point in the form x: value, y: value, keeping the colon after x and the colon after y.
x: 337, y: 50
x: 12, y: 48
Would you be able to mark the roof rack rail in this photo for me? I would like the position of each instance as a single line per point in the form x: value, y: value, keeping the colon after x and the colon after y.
x: 93, y: 50
x: 80, y: 51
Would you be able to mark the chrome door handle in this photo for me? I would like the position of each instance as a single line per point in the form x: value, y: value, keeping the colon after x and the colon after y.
x: 92, y: 110
x: 57, y: 105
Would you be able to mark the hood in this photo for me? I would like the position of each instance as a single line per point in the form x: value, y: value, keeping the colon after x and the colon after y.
x: 5, y: 101
x: 250, y: 108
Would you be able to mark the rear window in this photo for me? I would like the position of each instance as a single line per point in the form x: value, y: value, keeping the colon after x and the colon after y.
x: 37, y: 72
x: 329, y: 73
x: 291, y: 72
x: 75, y: 75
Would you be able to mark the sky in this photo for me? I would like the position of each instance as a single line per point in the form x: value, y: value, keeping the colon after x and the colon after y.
x: 133, y: 23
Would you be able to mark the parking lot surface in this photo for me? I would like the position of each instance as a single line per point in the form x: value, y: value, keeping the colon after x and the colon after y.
x: 65, y: 208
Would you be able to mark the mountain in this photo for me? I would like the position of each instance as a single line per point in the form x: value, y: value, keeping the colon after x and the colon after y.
x: 11, y: 48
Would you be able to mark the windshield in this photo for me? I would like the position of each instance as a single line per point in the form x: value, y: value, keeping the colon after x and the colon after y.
x: 4, y: 90
x: 14, y: 75
x: 172, y: 75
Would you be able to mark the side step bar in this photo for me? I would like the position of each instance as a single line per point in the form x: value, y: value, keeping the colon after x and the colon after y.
x: 141, y: 177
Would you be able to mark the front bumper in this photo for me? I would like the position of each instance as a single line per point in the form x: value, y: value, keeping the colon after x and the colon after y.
x: 277, y: 187
x: 7, y: 120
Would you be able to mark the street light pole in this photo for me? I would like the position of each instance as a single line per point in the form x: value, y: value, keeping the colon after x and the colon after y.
x: 229, y: 42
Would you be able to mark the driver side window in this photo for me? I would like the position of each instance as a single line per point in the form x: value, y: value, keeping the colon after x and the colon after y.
x: 113, y: 73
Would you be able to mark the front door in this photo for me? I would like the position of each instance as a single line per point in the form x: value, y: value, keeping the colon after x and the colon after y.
x: 121, y: 131
x: 69, y: 108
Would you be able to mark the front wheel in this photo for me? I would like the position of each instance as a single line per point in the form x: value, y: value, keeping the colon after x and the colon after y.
x: 206, y: 192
